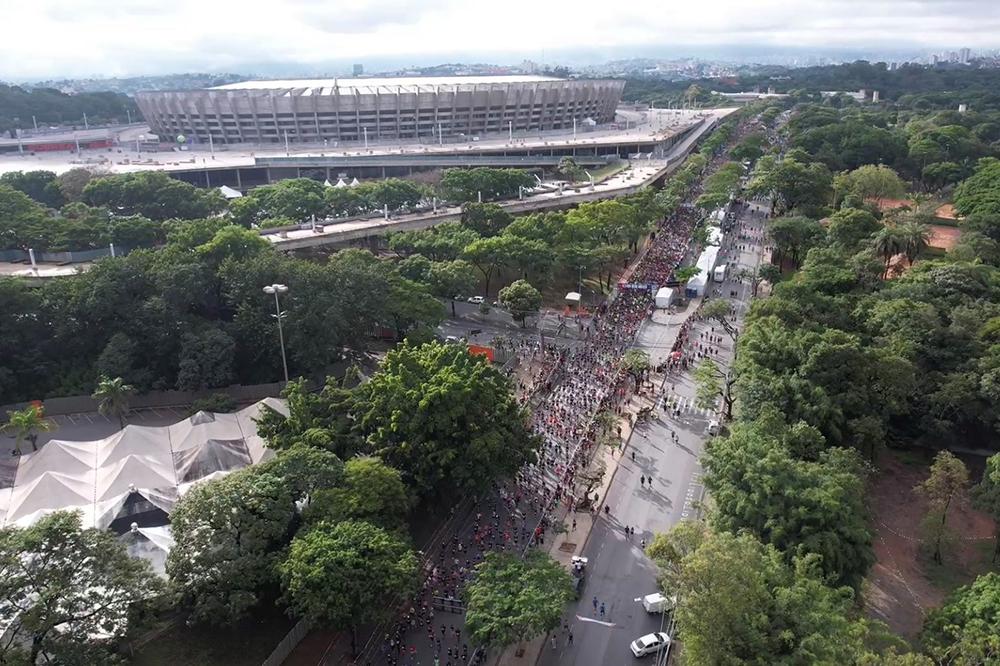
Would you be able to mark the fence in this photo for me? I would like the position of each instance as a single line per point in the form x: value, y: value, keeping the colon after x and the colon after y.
x: 288, y: 643
x: 80, y: 404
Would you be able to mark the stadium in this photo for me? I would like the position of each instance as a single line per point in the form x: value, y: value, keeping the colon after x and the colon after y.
x: 333, y: 110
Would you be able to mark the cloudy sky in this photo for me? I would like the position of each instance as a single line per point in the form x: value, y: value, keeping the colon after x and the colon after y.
x: 48, y: 38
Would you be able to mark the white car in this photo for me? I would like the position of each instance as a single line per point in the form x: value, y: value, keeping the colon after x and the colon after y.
x: 650, y: 644
x: 476, y: 300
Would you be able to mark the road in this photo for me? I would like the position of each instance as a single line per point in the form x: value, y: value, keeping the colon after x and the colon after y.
x: 619, y: 573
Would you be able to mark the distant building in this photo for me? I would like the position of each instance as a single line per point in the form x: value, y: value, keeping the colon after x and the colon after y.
x: 358, y: 69
x: 964, y: 56
x: 378, y: 108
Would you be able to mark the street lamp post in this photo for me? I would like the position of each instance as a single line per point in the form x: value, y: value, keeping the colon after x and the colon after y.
x: 278, y: 314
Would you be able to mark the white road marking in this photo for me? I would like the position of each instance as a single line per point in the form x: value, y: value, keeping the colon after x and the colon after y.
x: 590, y: 619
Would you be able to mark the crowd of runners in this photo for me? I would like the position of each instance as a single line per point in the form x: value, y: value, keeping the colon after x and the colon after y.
x: 567, y: 388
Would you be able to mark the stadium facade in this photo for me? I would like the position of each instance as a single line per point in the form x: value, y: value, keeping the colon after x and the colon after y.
x: 314, y: 111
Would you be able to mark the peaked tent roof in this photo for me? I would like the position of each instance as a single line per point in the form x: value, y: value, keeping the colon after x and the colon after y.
x: 159, y: 463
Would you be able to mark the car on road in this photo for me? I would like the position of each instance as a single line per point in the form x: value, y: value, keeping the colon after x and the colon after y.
x: 657, y: 603
x: 650, y: 644
x: 476, y: 300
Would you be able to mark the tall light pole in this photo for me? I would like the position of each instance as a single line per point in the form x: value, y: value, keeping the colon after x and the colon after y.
x: 278, y: 314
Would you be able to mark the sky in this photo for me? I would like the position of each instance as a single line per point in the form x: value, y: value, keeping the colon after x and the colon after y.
x: 77, y: 38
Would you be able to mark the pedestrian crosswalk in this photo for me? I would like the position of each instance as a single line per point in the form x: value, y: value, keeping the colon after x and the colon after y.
x: 685, y: 405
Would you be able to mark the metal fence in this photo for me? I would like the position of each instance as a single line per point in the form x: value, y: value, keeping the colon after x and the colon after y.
x: 288, y: 643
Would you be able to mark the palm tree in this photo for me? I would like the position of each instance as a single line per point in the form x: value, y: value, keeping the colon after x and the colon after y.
x: 26, y: 424
x: 914, y: 238
x: 888, y: 243
x: 112, y: 398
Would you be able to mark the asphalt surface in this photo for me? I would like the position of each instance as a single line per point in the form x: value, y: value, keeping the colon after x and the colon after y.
x: 619, y: 574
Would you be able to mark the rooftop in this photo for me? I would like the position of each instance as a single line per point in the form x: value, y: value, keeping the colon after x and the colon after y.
x: 367, y: 85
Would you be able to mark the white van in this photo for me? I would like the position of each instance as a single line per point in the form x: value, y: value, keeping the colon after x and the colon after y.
x: 657, y: 603
x: 719, y: 274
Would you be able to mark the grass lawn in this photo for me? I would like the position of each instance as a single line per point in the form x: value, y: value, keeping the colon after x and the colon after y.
x: 248, y: 644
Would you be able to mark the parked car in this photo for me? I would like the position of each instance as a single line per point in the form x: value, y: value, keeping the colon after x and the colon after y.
x: 658, y: 603
x: 650, y: 644
x: 476, y: 300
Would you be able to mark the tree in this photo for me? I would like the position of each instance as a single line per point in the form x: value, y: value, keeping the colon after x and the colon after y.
x: 346, y: 574
x: 66, y: 586
x: 486, y: 219
x: 521, y: 299
x: 41, y: 186
x: 306, y: 470
x: 720, y: 309
x: 711, y: 383
x: 794, y: 236
x: 685, y: 273
x: 411, y: 308
x: 987, y: 496
x: 569, y: 169
x: 977, y: 194
x: 794, y: 185
x: 759, y: 484
x: 294, y: 199
x: 849, y: 227
x: 948, y: 478
x: 206, y: 360
x: 26, y: 424
x: 871, y: 181
x: 371, y: 492
x: 740, y: 603
x: 112, y: 396
x: 228, y: 536
x: 152, y: 194
x: 448, y: 279
x: 512, y: 600
x: 966, y: 630
x: 636, y: 363
x: 445, y: 418
x: 888, y: 242
x: 72, y: 183
x: 914, y: 238
x: 487, y: 255
x: 320, y: 420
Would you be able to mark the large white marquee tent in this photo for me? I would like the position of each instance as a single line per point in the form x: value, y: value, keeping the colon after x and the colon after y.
x: 133, y: 476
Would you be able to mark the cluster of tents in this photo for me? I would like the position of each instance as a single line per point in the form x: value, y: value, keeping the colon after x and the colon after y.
x: 129, y: 482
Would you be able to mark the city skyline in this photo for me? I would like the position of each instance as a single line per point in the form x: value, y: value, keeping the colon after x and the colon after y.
x: 141, y: 37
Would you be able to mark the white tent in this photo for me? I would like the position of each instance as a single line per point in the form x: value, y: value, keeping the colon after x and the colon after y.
x: 706, y: 262
x: 664, y: 297
x: 327, y: 183
x: 139, y: 471
x: 229, y: 193
x: 573, y: 298
x: 341, y: 183
x: 355, y: 183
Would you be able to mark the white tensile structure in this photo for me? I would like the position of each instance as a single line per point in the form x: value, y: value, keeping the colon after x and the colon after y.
x: 706, y: 262
x: 133, y: 476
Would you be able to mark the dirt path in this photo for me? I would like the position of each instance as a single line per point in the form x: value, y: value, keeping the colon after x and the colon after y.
x: 901, y: 587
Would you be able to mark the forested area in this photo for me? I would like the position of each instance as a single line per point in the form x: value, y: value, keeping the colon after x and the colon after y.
x: 911, y: 86
x: 52, y: 107
x: 867, y: 342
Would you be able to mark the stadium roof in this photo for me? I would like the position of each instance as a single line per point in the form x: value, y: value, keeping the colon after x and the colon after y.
x: 372, y: 85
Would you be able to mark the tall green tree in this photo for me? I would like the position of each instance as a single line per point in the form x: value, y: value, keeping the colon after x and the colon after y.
x: 370, y: 492
x: 713, y: 382
x: 25, y: 425
x: 987, y: 496
x: 800, y: 506
x: 739, y: 602
x: 947, y: 480
x: 67, y: 587
x: 445, y: 418
x: 512, y: 600
x: 521, y: 299
x: 112, y: 396
x: 966, y: 629
x: 229, y: 534
x: 347, y: 574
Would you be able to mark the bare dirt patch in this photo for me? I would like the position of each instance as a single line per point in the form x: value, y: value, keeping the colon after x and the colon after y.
x: 905, y: 583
